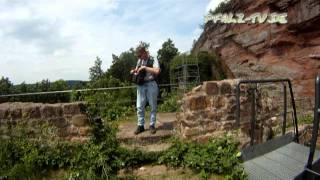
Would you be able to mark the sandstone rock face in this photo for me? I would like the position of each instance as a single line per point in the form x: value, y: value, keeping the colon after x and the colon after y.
x: 209, y: 110
x: 67, y: 121
x: 269, y: 50
x: 302, y: 12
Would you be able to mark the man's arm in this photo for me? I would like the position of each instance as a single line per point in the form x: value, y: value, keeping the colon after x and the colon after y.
x: 154, y: 71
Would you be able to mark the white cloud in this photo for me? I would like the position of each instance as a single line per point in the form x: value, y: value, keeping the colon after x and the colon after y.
x: 58, y: 39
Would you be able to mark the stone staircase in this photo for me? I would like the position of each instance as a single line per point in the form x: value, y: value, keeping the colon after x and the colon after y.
x: 146, y: 141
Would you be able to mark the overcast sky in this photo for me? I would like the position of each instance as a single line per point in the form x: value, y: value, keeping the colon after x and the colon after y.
x: 60, y: 39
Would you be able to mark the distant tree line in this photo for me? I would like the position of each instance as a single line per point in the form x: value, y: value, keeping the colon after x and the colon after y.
x: 116, y: 75
x: 7, y: 87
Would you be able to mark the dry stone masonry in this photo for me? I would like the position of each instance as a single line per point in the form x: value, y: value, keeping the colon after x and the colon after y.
x: 209, y: 110
x: 66, y: 121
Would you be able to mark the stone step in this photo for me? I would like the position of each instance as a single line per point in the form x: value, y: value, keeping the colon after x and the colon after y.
x: 160, y: 172
x: 165, y: 129
x: 149, y: 147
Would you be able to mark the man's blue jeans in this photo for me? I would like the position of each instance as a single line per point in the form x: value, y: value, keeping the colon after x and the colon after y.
x: 147, y: 92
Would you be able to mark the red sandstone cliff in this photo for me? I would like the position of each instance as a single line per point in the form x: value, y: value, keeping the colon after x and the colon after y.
x: 289, y: 50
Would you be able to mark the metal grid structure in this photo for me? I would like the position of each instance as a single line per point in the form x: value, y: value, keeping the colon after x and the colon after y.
x: 253, y: 89
x: 186, y: 75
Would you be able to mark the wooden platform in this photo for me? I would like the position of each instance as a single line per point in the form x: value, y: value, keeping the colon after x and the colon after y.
x: 285, y: 162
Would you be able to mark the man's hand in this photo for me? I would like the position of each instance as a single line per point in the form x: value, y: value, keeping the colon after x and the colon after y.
x: 133, y: 71
x: 141, y: 68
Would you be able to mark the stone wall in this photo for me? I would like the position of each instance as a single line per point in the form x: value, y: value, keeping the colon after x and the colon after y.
x: 209, y: 110
x: 65, y: 121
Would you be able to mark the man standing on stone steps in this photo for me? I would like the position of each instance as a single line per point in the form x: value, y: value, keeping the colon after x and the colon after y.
x: 149, y: 90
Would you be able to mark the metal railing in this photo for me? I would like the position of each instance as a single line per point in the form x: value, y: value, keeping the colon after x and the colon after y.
x: 315, y: 124
x: 79, y: 90
x: 253, y: 104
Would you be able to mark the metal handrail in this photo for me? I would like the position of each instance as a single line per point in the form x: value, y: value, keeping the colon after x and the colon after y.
x: 79, y: 90
x: 253, y: 115
x: 315, y: 123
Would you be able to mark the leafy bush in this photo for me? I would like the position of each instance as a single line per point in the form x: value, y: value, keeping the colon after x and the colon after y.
x: 20, y: 157
x: 219, y: 156
x: 102, y: 157
x: 207, y: 61
x: 99, y: 158
x: 110, y: 105
x: 306, y: 119
x: 174, y: 156
x: 135, y: 157
x: 106, y: 105
x: 170, y: 103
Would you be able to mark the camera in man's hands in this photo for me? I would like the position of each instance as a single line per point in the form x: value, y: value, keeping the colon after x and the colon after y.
x: 138, y: 78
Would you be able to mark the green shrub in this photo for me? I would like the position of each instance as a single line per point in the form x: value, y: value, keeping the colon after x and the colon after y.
x: 170, y: 103
x: 219, y: 156
x: 23, y: 158
x: 98, y: 158
x: 306, y: 119
x: 174, y: 156
x: 108, y: 105
x: 134, y: 158
x: 102, y: 157
x: 207, y: 61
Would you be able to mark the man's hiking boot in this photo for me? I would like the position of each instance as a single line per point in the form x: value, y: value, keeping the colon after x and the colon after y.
x: 139, y: 130
x: 152, y: 130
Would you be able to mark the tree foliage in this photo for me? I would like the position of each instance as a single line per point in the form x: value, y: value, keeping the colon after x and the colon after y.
x: 122, y: 64
x: 223, y: 7
x: 59, y: 85
x: 5, y: 85
x: 42, y: 86
x: 167, y: 52
x: 96, y: 70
